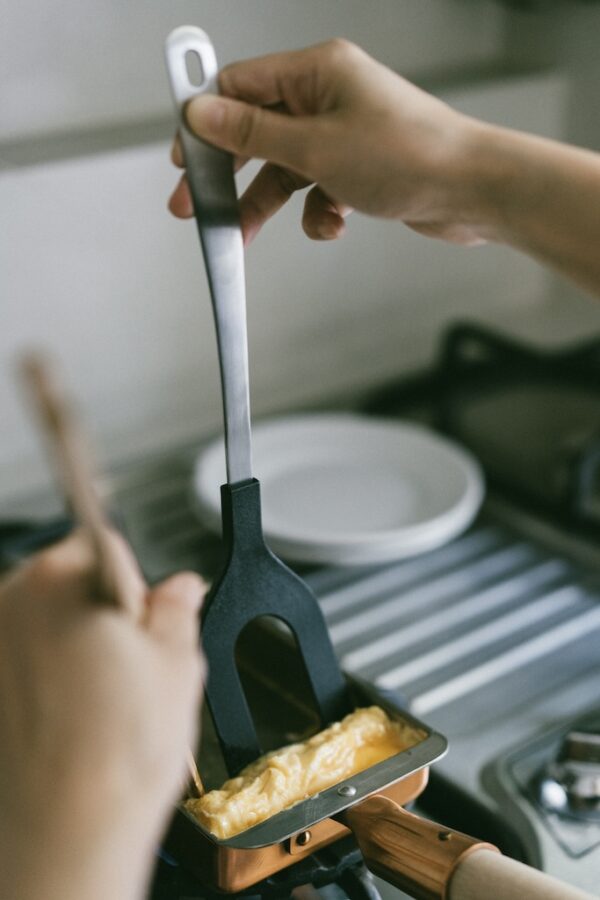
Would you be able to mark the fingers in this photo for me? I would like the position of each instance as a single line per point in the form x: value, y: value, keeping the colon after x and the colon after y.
x: 70, y: 558
x: 323, y: 219
x: 66, y: 575
x: 122, y: 586
x: 54, y: 580
x: 251, y: 131
x: 266, y: 194
x: 177, y: 157
x: 305, y: 81
x: 262, y: 80
x: 173, y: 607
x: 180, y: 201
x: 177, y: 152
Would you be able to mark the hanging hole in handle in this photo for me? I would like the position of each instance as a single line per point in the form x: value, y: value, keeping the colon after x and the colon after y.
x: 194, y: 68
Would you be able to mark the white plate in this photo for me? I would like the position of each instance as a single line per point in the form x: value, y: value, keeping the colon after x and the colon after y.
x: 348, y: 489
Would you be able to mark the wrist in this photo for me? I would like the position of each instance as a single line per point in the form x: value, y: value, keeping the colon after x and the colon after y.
x: 476, y: 180
x: 500, y: 180
x: 465, y: 179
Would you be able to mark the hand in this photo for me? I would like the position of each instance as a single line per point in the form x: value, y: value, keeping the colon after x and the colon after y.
x: 96, y: 713
x: 333, y: 117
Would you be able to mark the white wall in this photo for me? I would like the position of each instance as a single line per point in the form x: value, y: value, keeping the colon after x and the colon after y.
x: 565, y: 36
x: 92, y: 265
x: 77, y: 63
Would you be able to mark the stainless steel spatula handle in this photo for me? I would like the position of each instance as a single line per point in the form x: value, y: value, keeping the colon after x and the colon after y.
x: 212, y: 185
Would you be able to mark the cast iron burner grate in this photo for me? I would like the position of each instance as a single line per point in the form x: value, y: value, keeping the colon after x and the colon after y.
x: 338, y: 868
x: 530, y: 415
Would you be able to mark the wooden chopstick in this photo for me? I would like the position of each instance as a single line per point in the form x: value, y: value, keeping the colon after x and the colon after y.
x: 74, y: 468
x: 195, y: 774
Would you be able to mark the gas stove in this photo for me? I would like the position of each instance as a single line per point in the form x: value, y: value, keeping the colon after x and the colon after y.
x: 494, y: 638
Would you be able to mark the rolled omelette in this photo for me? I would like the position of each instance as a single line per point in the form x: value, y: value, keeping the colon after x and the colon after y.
x: 282, y: 778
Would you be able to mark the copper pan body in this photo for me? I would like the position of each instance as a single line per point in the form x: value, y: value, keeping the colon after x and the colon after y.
x: 231, y: 869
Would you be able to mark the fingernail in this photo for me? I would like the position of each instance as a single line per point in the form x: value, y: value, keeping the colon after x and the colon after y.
x: 205, y: 115
x: 327, y: 231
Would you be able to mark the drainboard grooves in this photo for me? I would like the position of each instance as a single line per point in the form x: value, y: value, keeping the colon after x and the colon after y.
x: 456, y: 582
x: 539, y: 690
x: 541, y: 645
x: 475, y: 606
x: 486, y: 636
x: 468, y: 619
x: 358, y: 588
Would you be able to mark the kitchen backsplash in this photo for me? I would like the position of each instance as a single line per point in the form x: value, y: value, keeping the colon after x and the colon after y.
x: 92, y: 265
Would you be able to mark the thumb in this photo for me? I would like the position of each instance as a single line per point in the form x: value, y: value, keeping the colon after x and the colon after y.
x: 251, y: 131
x: 172, y: 610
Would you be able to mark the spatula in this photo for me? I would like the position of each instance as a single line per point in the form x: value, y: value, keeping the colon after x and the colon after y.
x: 254, y: 582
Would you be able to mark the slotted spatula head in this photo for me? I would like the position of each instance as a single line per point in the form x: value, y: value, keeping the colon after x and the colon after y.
x: 255, y: 583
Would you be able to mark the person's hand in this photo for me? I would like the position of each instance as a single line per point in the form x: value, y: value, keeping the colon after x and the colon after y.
x: 96, y: 713
x: 333, y: 117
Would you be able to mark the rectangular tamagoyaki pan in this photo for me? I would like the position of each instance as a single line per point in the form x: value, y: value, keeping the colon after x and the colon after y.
x: 238, y: 862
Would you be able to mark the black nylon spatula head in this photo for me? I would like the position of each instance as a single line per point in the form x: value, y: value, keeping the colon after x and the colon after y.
x: 254, y: 583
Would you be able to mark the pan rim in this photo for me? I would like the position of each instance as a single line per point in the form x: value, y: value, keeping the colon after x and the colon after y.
x: 330, y: 802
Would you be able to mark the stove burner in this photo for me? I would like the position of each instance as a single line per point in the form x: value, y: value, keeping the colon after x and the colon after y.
x: 544, y: 776
x: 529, y: 415
x: 338, y: 865
x: 570, y: 785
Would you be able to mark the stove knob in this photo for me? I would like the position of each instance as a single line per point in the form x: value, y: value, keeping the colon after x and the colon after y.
x: 570, y: 785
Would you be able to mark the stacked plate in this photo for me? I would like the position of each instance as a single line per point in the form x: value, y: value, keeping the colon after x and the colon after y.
x: 346, y: 489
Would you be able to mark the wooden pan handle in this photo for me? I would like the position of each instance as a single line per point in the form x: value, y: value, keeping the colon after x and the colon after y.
x: 414, y: 854
x: 431, y: 862
x: 485, y: 874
